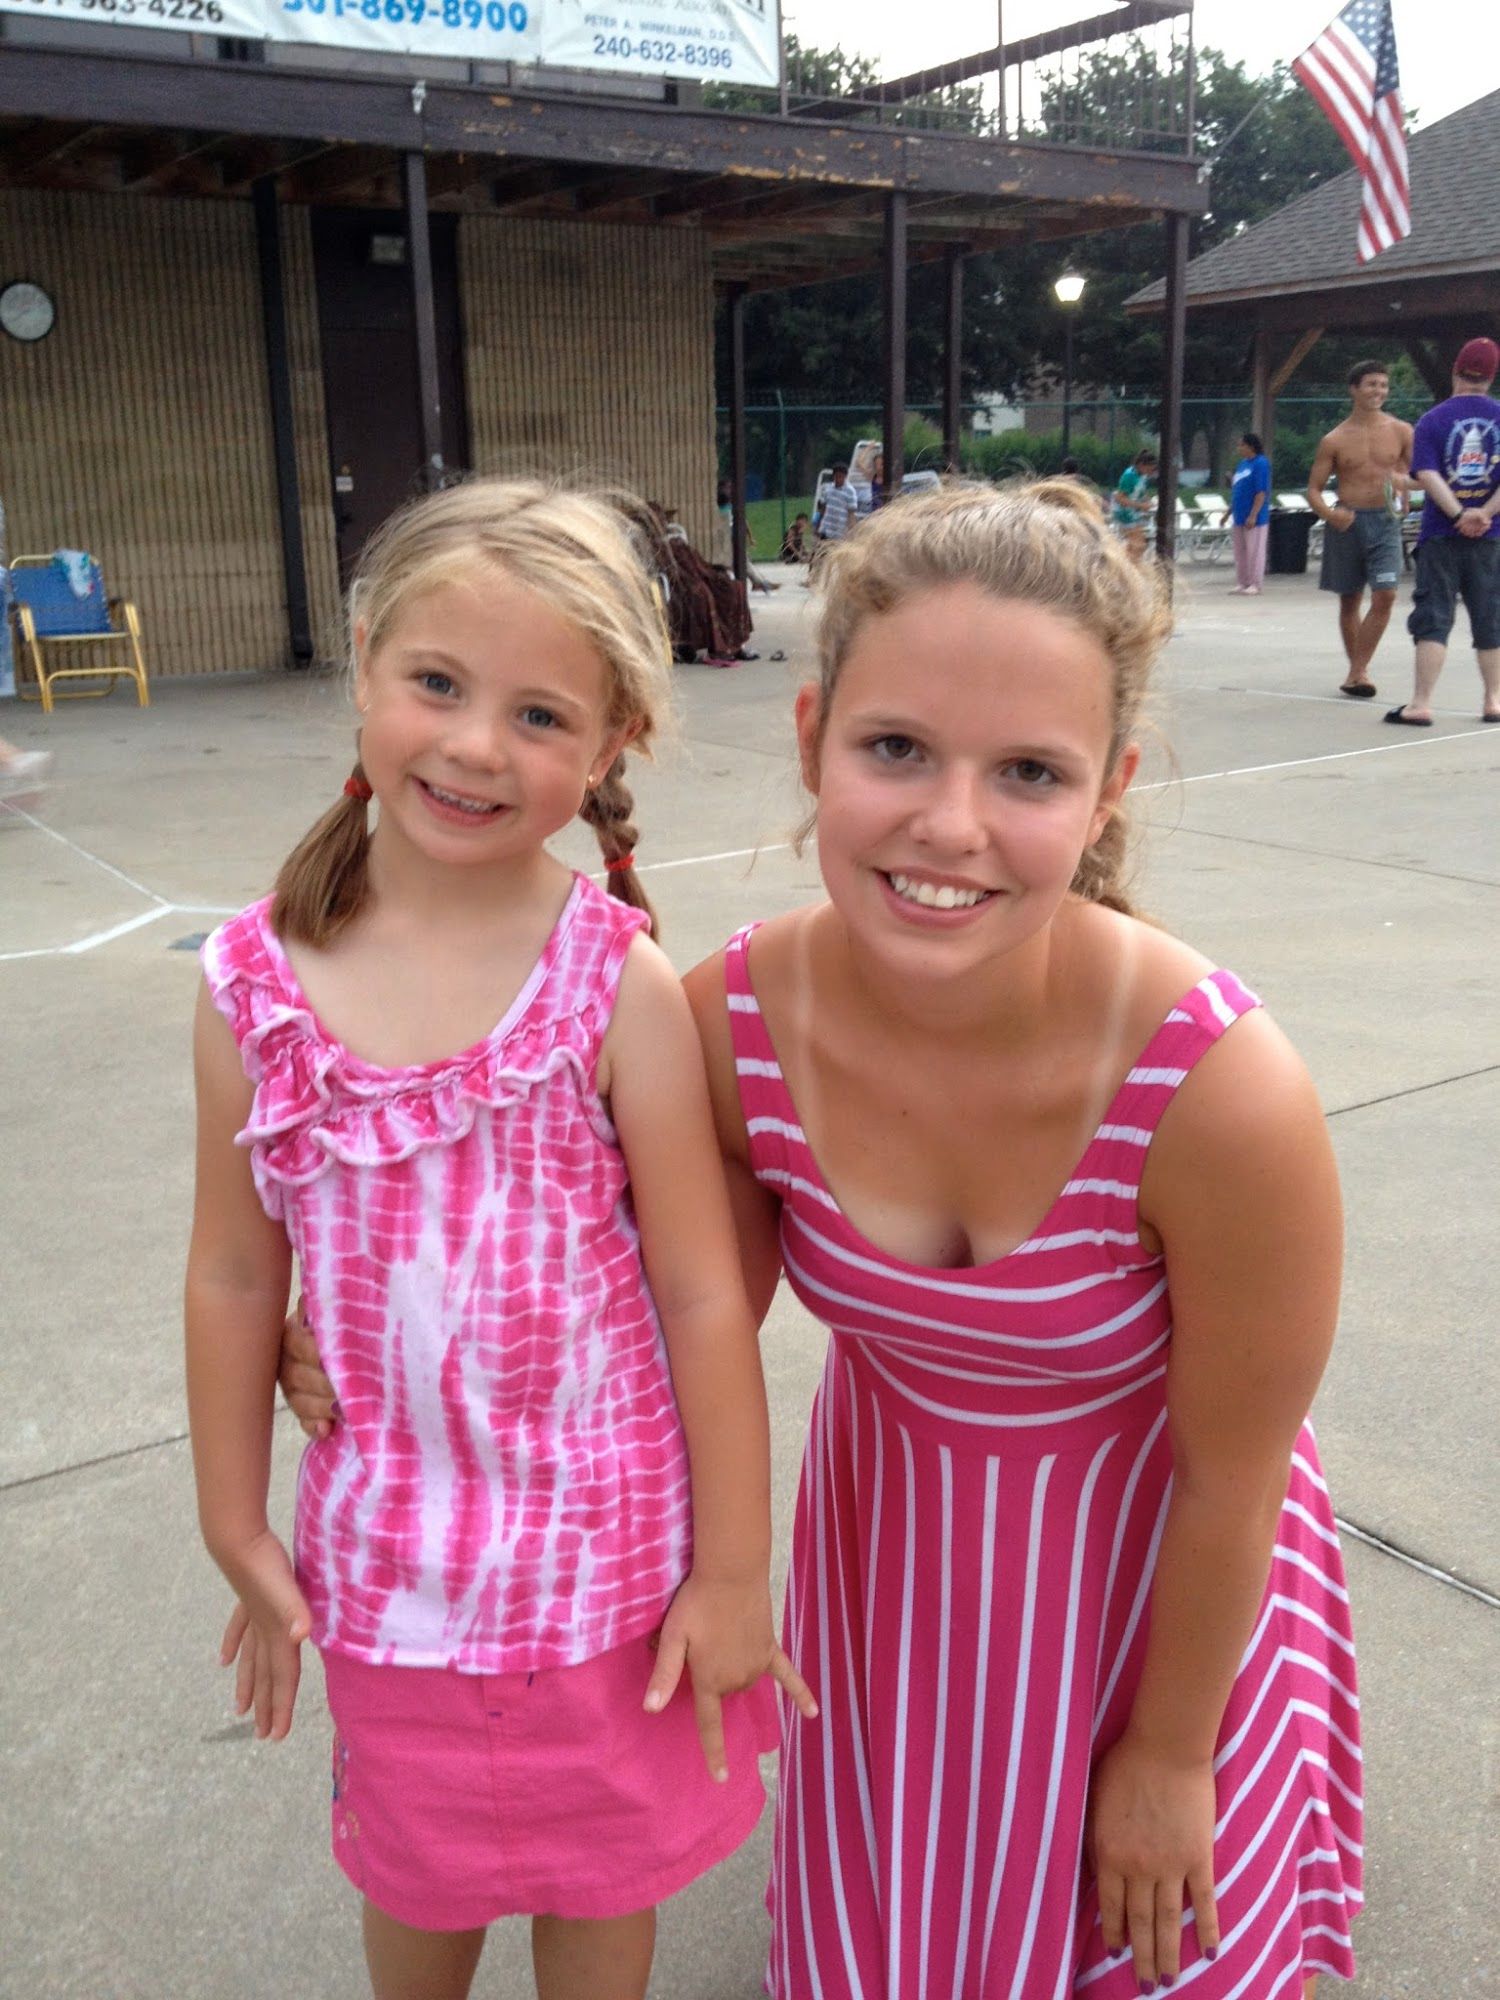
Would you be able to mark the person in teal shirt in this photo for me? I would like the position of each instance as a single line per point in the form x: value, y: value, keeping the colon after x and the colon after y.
x: 1133, y: 501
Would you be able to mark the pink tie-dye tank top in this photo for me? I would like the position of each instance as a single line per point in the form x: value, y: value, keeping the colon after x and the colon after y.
x: 508, y: 1488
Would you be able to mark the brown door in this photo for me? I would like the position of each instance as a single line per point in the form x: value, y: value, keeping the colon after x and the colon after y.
x: 367, y: 322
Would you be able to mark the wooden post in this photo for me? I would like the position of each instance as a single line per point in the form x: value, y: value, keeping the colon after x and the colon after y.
x: 739, y: 539
x: 283, y: 430
x: 1262, y: 403
x: 419, y: 263
x: 1171, y: 400
x: 1000, y: 68
x: 895, y: 341
x: 953, y: 356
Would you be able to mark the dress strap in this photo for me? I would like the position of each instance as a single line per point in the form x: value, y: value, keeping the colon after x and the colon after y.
x: 1191, y: 1028
x: 770, y: 1115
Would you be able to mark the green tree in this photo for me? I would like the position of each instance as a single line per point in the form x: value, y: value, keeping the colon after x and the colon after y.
x: 824, y: 343
x: 1266, y: 143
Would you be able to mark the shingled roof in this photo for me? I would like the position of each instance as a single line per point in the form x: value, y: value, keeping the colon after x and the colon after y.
x: 1309, y: 246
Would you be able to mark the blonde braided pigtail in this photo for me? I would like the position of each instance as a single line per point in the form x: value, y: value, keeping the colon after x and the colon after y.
x: 609, y: 809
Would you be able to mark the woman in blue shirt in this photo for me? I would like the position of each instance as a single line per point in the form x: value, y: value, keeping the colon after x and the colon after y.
x: 1249, y: 509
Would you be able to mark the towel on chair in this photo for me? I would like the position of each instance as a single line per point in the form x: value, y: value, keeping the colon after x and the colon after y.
x: 77, y: 565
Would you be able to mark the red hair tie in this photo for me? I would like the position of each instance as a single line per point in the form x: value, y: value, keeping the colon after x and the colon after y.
x: 356, y: 787
x: 620, y: 863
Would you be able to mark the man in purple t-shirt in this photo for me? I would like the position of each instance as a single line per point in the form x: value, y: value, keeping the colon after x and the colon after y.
x: 1455, y: 457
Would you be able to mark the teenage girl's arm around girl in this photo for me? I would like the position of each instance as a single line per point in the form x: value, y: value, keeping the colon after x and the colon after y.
x: 1240, y: 1188
x: 719, y: 1625
x: 238, y: 1276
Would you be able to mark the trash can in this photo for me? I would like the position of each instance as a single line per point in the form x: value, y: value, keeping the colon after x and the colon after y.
x: 1287, y: 538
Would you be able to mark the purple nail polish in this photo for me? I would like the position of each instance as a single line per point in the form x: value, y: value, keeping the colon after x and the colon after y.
x: 1212, y: 1953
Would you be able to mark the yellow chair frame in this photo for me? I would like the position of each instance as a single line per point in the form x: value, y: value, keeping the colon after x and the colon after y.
x: 31, y: 653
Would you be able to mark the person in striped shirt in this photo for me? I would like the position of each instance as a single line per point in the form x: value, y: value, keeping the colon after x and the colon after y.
x: 840, y: 506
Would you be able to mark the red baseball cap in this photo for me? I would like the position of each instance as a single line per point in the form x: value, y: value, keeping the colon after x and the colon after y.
x: 1478, y: 360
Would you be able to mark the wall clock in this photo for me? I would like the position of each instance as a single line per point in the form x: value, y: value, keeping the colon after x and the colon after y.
x: 26, y: 311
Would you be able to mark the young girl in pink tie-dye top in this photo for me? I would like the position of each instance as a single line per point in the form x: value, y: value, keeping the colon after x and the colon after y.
x: 461, y: 1086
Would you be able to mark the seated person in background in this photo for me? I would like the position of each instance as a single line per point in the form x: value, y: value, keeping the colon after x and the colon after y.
x: 796, y: 543
x: 707, y: 610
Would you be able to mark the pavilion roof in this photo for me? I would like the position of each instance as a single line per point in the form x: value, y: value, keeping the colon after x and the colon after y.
x: 1308, y: 247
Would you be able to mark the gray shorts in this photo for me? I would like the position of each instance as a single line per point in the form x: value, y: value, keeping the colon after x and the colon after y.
x: 1368, y: 554
x: 1450, y: 567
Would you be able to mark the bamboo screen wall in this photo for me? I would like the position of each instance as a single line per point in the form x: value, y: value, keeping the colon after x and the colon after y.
x: 138, y: 429
x: 589, y: 350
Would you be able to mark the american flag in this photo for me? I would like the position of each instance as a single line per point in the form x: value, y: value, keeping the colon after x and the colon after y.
x: 1351, y: 71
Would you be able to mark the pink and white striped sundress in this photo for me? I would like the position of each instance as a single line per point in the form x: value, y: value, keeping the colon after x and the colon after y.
x: 983, y: 1493
x: 508, y: 1489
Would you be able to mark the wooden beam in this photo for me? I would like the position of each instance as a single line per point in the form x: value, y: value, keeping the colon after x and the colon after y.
x: 333, y: 174
x: 419, y: 264
x: 1301, y: 347
x: 242, y: 165
x: 796, y: 202
x: 453, y: 174
x: 738, y: 539
x: 145, y: 157
x: 262, y: 101
x: 698, y: 194
x: 772, y: 279
x: 894, y: 301
x: 1439, y: 379
x: 283, y: 423
x: 541, y: 181
x: 44, y: 144
x: 953, y: 334
x: 1262, y: 402
x: 611, y: 190
x: 1171, y: 400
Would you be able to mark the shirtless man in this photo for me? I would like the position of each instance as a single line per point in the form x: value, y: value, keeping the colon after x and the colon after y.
x: 1369, y: 454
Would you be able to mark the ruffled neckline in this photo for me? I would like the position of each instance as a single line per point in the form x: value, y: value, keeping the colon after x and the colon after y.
x: 351, y: 1063
x: 316, y: 1102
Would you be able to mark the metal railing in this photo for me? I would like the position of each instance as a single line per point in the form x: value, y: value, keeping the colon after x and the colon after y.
x: 1130, y: 90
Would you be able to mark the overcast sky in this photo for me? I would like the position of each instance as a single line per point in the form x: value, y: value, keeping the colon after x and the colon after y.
x: 1435, y: 79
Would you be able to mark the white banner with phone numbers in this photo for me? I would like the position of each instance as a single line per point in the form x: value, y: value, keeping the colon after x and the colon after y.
x: 727, y: 41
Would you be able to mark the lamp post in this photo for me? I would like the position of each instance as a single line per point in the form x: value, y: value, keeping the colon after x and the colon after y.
x: 1069, y: 290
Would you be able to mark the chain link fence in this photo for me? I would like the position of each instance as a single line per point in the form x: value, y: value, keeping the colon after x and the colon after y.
x: 788, y: 444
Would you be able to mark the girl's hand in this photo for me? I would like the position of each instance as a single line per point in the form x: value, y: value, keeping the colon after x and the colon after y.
x: 265, y: 1633
x: 724, y: 1635
x: 1150, y: 1829
x: 308, y: 1391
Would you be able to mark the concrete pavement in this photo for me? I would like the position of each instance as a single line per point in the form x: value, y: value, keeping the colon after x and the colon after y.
x: 1349, y: 872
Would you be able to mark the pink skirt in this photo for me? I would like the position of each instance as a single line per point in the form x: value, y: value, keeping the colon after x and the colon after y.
x: 460, y: 1798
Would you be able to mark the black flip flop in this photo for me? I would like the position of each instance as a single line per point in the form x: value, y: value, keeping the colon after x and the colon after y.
x: 1399, y: 715
x: 1489, y: 718
x: 1361, y: 691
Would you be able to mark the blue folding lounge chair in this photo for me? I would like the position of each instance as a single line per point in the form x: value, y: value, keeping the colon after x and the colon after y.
x: 65, y: 637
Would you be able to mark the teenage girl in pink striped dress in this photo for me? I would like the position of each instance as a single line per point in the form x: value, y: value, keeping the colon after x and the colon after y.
x: 1064, y: 1568
x: 462, y: 1087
